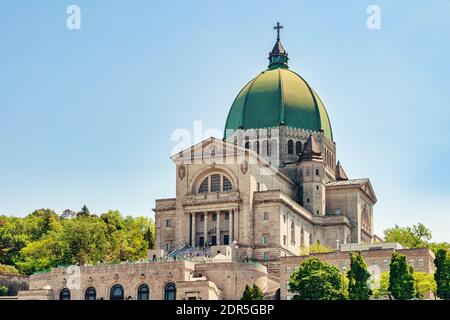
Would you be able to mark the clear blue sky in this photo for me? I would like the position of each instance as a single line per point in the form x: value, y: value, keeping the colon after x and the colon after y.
x: 86, y: 116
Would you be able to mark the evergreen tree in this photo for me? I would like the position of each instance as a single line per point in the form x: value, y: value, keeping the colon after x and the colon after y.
x: 150, y: 238
x: 84, y: 212
x: 442, y: 275
x: 252, y: 293
x: 257, y: 293
x: 358, y: 278
x: 247, y: 295
x: 401, y: 280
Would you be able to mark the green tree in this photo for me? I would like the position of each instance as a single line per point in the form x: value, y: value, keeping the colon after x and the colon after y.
x: 42, y: 254
x: 436, y: 246
x: 3, y: 291
x: 257, y: 293
x: 252, y: 293
x: 247, y: 294
x: 358, y: 278
x: 42, y: 240
x: 416, y: 236
x: 84, y: 212
x: 424, y: 283
x: 401, y: 280
x: 316, y: 280
x: 4, y: 269
x: 314, y: 248
x: 13, y: 237
x: 42, y: 221
x: 87, y: 240
x: 442, y: 274
x: 150, y: 238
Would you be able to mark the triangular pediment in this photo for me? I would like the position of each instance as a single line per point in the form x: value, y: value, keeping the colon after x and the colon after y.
x: 213, y: 150
x: 362, y: 184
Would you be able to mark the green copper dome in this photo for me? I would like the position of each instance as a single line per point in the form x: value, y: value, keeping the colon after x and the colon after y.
x: 278, y: 96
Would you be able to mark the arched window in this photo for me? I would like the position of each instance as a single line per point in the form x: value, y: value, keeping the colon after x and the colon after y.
x: 215, y: 183
x: 116, y: 292
x: 298, y: 147
x: 292, y: 232
x: 302, y: 237
x: 64, y: 294
x: 204, y: 186
x: 273, y: 147
x: 227, y: 184
x: 90, y: 294
x: 290, y: 147
x: 267, y: 146
x: 247, y: 145
x: 143, y: 292
x: 170, y: 291
x: 365, y: 220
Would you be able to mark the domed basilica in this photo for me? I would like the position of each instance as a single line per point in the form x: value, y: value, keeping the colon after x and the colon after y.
x: 247, y: 207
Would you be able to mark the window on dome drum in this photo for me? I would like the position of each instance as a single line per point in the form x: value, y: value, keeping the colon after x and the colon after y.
x: 215, y: 183
x: 90, y: 294
x: 226, y: 184
x: 264, y: 150
x: 298, y: 147
x: 64, y: 294
x: 116, y: 292
x: 257, y: 147
x: 247, y: 145
x: 290, y: 147
x: 273, y: 146
x: 170, y: 291
x: 143, y: 292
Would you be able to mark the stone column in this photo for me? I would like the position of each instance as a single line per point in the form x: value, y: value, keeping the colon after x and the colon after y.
x: 193, y: 230
x: 230, y: 227
x: 218, y: 228
x: 205, y: 228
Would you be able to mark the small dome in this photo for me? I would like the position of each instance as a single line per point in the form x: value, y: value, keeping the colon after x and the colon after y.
x: 278, y: 96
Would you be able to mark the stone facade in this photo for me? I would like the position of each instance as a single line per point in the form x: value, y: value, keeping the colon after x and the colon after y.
x: 269, y: 212
x: 199, y: 279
